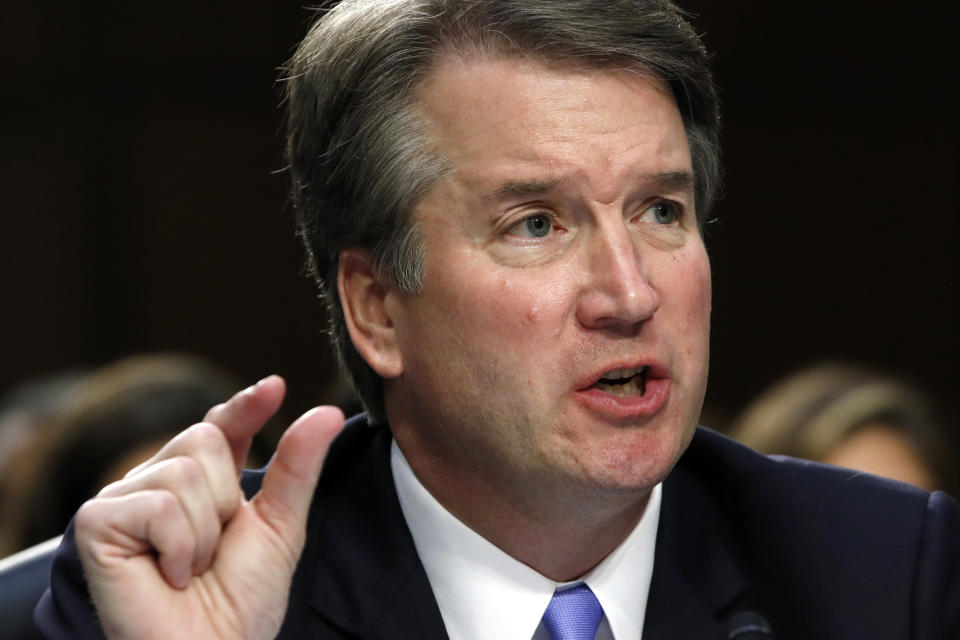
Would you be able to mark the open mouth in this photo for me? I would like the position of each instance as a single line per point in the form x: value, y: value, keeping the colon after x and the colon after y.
x: 623, y: 383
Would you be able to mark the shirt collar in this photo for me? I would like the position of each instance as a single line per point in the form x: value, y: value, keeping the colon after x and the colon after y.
x: 483, y: 592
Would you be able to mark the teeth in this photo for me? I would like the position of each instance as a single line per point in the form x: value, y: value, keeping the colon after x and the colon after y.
x: 624, y: 382
x: 622, y: 374
x: 630, y: 388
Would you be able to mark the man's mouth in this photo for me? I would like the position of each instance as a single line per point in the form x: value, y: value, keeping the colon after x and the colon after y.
x: 626, y: 393
x: 623, y: 383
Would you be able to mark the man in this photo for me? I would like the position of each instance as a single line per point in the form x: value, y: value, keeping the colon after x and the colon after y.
x: 502, y: 202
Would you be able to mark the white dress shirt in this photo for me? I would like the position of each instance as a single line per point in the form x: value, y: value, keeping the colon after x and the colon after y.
x: 485, y: 594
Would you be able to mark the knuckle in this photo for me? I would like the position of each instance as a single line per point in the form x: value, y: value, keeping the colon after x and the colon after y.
x: 88, y: 517
x: 244, y: 401
x: 165, y: 504
x: 215, y: 410
x: 206, y: 436
x: 226, y: 504
x: 238, y: 402
x: 183, y: 547
x: 185, y: 471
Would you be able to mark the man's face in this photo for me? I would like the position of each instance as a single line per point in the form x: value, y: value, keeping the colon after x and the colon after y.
x: 562, y: 331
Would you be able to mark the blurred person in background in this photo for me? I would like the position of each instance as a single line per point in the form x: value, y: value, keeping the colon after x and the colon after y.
x: 24, y: 413
x: 851, y: 416
x: 91, y: 429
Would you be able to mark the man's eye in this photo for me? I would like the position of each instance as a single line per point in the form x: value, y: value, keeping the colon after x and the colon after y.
x: 664, y: 212
x: 535, y: 226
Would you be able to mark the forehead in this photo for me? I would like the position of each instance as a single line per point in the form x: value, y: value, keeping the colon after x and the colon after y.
x: 525, y: 119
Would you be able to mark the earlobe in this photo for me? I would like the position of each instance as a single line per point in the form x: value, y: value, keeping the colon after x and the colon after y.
x: 363, y: 295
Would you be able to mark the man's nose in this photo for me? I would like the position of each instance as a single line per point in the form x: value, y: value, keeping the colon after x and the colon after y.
x: 617, y: 292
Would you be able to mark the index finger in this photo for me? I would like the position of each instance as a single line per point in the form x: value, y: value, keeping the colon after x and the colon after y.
x: 239, y: 419
x: 243, y: 415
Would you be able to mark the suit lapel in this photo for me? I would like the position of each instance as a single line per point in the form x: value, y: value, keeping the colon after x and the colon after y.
x: 697, y: 582
x: 369, y: 582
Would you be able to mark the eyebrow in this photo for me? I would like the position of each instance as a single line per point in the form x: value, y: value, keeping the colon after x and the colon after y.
x: 678, y: 180
x: 673, y: 180
x: 523, y: 188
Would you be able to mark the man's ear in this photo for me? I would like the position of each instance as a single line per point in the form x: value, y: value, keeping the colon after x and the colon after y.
x: 363, y: 297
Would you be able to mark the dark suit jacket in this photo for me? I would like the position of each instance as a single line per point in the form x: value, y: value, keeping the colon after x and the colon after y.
x: 821, y: 553
x: 23, y: 577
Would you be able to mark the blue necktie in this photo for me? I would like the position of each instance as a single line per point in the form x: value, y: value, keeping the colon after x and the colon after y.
x: 573, y: 614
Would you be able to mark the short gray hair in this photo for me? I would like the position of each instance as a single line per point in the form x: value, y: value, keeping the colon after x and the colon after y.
x: 360, y: 157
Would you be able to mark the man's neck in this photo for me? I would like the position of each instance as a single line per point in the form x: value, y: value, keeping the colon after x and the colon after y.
x: 559, y: 529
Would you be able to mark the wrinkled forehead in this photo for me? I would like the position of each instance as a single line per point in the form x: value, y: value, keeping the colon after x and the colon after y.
x: 459, y: 87
x: 510, y: 120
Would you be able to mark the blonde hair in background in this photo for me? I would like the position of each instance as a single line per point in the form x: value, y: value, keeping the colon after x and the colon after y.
x: 811, y: 412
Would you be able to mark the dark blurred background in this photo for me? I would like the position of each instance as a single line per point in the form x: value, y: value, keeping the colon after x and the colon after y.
x: 143, y: 206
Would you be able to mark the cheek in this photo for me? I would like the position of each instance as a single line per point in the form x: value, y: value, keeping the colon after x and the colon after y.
x: 698, y: 314
x: 523, y: 308
x: 685, y: 290
x: 691, y: 278
x: 703, y: 292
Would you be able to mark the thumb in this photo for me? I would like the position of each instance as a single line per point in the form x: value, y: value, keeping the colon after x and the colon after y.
x: 284, y: 498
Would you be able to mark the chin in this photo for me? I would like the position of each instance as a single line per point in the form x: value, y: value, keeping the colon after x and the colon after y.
x: 633, y: 467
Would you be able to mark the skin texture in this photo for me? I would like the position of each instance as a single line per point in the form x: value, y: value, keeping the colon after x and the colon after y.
x: 486, y: 366
x: 174, y: 550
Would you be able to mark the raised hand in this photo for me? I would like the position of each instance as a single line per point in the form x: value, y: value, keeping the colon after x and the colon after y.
x: 174, y: 550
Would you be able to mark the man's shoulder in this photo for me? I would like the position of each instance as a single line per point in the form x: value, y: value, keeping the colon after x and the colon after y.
x: 731, y: 467
x: 799, y: 498
x: 810, y: 537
